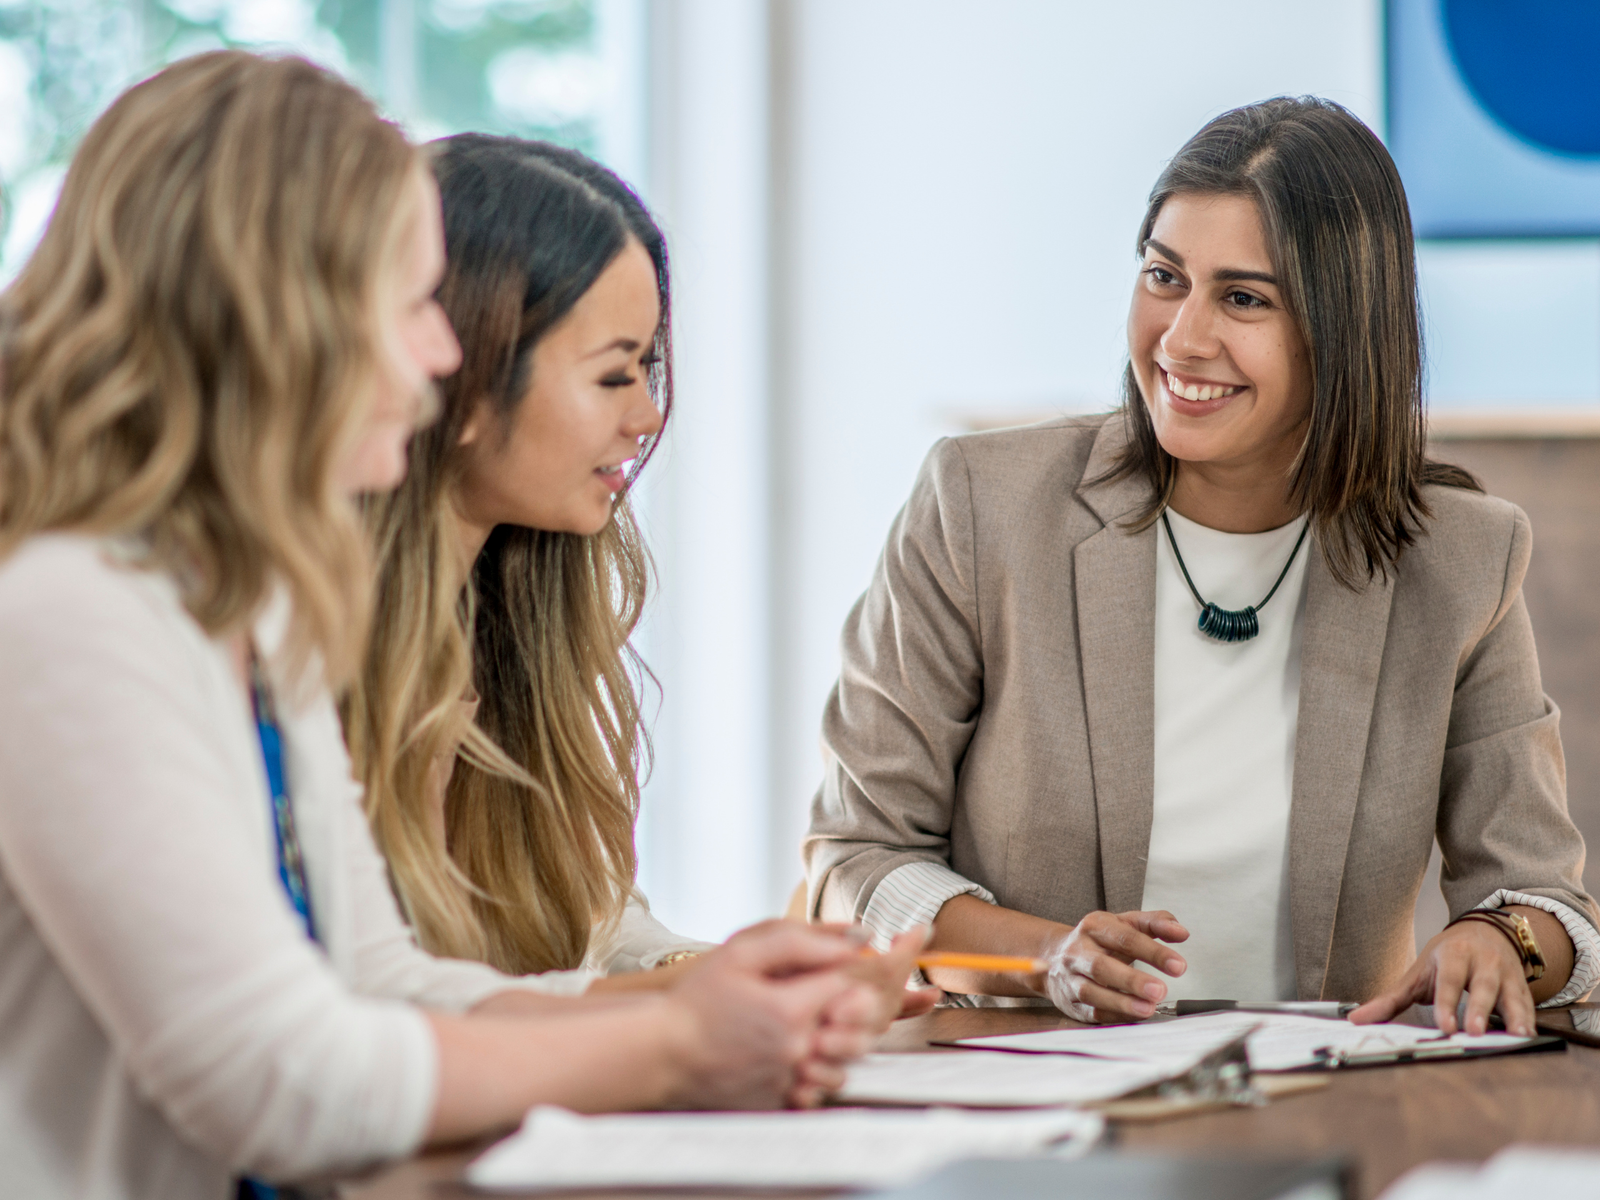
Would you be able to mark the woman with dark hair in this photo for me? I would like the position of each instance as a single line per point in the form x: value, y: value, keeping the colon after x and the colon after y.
x: 511, y: 573
x: 1218, y: 669
x: 496, y: 722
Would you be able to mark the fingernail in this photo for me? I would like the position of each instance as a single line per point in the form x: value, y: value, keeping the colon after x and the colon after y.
x: 1173, y: 966
x: 1154, y: 990
x: 1143, y: 1008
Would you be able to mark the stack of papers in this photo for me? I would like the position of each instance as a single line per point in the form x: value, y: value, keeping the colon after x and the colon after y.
x: 1279, y: 1043
x: 1513, y: 1174
x: 988, y: 1079
x: 834, y: 1148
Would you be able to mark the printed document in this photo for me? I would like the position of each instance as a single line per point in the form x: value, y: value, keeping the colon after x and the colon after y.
x: 1516, y: 1173
x: 987, y: 1079
x: 1279, y: 1043
x: 831, y: 1148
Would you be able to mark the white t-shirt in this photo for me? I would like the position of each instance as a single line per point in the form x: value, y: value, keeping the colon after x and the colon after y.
x: 1225, y: 717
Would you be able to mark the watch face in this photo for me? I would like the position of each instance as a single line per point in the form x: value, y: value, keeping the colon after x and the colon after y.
x: 1532, y: 957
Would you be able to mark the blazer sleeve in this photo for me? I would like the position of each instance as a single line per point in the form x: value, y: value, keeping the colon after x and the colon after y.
x: 908, y: 698
x: 1503, y: 822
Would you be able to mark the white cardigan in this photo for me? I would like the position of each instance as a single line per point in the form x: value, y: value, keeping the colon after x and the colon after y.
x: 164, y: 1023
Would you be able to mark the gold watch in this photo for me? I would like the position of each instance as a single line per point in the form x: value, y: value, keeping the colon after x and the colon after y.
x: 1517, y: 930
x: 1527, y: 945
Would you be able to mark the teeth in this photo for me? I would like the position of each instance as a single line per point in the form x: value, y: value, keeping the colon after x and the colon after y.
x: 1194, y: 391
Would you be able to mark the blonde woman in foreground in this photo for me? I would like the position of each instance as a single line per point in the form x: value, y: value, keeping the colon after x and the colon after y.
x: 224, y: 334
x: 496, y: 723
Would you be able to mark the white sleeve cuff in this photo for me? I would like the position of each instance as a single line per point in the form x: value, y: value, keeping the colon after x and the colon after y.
x: 1585, y: 943
x: 638, y: 942
x: 549, y: 983
x: 912, y: 895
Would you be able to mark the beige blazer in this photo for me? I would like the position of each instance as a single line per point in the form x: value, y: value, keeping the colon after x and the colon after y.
x: 995, y: 711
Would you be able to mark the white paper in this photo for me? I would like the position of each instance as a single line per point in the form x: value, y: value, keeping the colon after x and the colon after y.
x: 989, y: 1079
x: 1280, y: 1042
x: 852, y: 1148
x: 1176, y: 1044
x: 1518, y: 1171
x: 1514, y: 1174
x: 1434, y: 1181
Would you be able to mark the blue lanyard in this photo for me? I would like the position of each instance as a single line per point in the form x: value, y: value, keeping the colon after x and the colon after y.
x: 291, y: 863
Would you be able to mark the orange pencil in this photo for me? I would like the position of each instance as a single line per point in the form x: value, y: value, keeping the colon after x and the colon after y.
x: 983, y: 962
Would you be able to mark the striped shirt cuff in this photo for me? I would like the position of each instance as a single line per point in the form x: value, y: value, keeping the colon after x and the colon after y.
x: 1585, y: 942
x: 912, y: 895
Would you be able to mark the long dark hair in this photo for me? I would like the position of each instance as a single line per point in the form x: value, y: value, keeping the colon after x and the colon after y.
x: 1339, y: 231
x: 542, y: 802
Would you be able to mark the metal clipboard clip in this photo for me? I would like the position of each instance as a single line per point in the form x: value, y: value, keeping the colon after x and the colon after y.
x: 1221, y: 1077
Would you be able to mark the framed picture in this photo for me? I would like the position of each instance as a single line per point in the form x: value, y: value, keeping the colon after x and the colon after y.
x: 1494, y: 115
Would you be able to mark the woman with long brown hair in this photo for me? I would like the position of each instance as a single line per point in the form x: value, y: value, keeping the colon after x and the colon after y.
x: 497, y: 723
x: 228, y: 331
x: 1225, y: 663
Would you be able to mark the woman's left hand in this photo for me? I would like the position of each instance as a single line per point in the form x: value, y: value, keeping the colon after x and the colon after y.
x: 1470, y: 957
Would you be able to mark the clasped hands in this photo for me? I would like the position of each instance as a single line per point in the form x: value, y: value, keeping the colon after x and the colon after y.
x: 775, y: 1015
x: 1092, y: 977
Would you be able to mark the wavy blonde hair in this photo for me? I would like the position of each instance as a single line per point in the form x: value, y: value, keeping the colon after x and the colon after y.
x: 540, y: 810
x: 189, y: 353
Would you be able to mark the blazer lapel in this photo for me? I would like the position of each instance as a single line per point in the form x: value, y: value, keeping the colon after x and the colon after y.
x: 1340, y: 658
x: 1115, y: 580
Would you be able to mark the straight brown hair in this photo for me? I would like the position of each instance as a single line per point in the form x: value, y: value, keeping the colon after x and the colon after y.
x: 1339, y: 231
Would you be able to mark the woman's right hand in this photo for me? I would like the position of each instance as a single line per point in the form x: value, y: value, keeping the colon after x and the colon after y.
x: 768, y: 1018
x: 1091, y: 976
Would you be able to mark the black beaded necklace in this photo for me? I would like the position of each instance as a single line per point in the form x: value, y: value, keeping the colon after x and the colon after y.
x: 1230, y: 624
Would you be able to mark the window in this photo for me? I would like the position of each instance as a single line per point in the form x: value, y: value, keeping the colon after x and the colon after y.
x: 567, y: 70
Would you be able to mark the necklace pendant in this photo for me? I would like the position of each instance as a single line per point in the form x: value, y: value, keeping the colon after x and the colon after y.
x: 1229, y: 625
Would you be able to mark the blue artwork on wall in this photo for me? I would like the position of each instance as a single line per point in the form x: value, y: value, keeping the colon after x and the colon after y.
x: 1494, y: 115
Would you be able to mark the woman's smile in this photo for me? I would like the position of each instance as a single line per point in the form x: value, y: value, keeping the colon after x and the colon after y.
x: 1193, y: 397
x: 614, y: 476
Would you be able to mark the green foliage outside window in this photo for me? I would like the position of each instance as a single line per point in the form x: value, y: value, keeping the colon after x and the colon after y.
x: 525, y: 67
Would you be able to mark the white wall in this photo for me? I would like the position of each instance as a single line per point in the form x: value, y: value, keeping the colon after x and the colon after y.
x: 704, y: 830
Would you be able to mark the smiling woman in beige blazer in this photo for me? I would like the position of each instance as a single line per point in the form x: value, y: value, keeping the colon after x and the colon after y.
x: 1036, y: 740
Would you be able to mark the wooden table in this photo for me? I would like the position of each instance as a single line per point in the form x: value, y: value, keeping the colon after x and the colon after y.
x: 1386, y: 1119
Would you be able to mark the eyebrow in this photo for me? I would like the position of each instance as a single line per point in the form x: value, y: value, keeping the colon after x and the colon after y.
x: 626, y: 344
x: 1226, y: 275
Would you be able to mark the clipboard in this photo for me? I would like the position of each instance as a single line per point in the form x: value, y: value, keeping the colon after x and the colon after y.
x: 1578, y: 1023
x: 1426, y: 1052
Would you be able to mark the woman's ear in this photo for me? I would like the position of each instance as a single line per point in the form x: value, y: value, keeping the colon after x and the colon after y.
x: 474, y: 426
